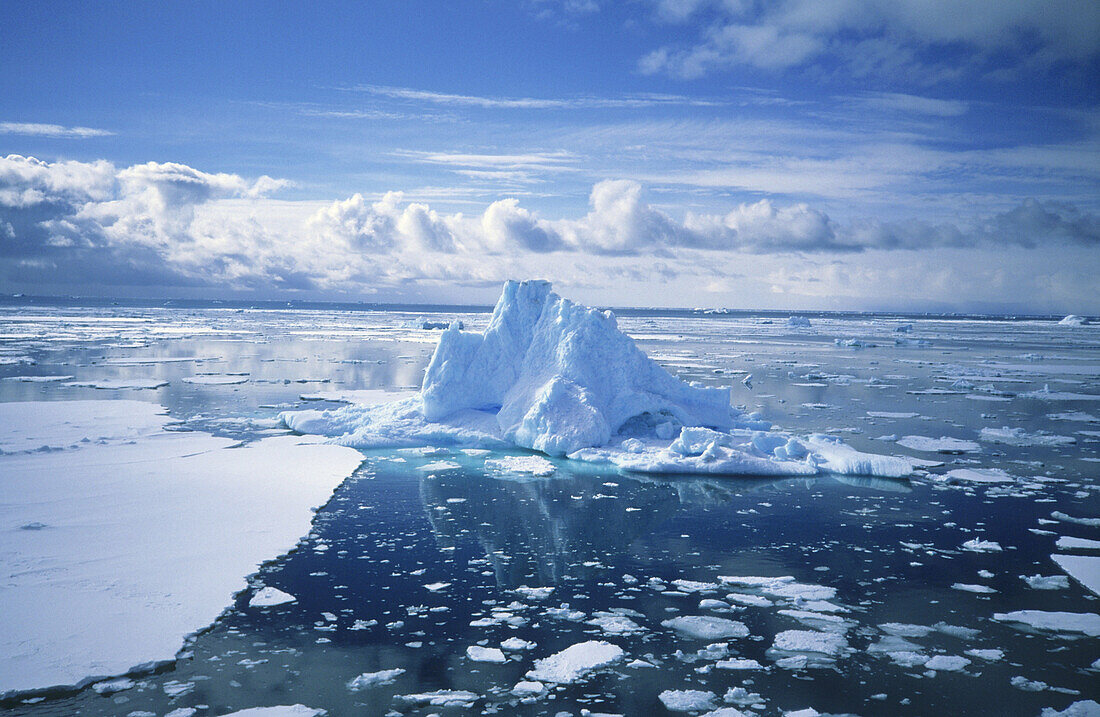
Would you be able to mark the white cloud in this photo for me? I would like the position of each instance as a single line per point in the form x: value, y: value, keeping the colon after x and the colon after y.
x: 635, y: 101
x: 896, y: 102
x: 173, y: 225
x: 873, y: 37
x: 35, y: 129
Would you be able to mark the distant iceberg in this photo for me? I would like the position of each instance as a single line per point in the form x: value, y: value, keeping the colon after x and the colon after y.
x: 560, y: 378
x: 1073, y: 320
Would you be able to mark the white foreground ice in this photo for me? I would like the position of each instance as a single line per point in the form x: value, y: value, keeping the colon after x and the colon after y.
x: 575, y: 661
x: 117, y: 548
x: 560, y: 378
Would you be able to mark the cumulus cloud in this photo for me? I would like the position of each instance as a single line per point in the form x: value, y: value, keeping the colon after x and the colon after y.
x: 167, y: 224
x: 870, y: 37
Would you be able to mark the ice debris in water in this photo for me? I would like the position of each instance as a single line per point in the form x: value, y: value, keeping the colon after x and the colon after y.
x: 688, y: 700
x: 270, y: 597
x: 368, y: 680
x: 561, y: 378
x: 575, y: 662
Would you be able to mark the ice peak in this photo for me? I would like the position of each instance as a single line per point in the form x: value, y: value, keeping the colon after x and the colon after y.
x: 562, y: 376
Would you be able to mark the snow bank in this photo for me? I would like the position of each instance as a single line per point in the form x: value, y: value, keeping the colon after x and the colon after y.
x: 115, y: 550
x: 560, y: 378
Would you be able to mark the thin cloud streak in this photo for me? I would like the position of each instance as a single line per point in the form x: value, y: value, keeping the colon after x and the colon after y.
x: 35, y: 129
x: 532, y: 103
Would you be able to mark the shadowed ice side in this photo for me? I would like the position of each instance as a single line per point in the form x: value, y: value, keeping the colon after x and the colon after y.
x: 560, y: 378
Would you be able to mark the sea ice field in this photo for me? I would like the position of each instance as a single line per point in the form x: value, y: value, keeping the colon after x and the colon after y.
x: 213, y: 508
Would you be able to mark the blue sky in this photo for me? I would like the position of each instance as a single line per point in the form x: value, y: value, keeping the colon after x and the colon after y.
x: 836, y: 154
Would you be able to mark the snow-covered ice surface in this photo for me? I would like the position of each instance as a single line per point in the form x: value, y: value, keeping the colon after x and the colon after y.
x: 857, y: 595
x: 117, y: 549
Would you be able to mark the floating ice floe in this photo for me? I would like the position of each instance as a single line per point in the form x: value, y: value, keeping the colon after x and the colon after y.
x: 1085, y: 569
x: 1081, y: 708
x: 1082, y: 623
x: 688, y: 700
x: 576, y: 661
x: 215, y: 380
x: 1045, y: 394
x: 270, y: 597
x: 1069, y: 543
x: 1046, y: 582
x: 977, y: 475
x: 440, y: 698
x: 706, y: 627
x: 560, y: 378
x: 943, y: 444
x: 117, y: 384
x: 485, y: 654
x: 976, y: 545
x: 369, y: 680
x: 1020, y: 437
x: 278, y: 711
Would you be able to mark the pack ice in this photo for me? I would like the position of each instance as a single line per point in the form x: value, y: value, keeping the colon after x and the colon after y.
x: 554, y: 376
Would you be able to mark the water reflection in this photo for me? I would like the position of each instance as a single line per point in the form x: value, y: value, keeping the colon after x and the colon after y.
x: 538, y: 531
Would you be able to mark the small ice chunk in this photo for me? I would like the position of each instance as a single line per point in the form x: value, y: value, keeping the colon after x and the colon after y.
x: 614, y: 624
x: 439, y: 466
x: 269, y: 597
x: 485, y: 654
x: 694, y: 586
x: 533, y: 465
x: 1059, y: 622
x: 1022, y: 683
x: 109, y: 687
x: 574, y: 662
x: 1046, y: 582
x: 976, y: 545
x: 440, y: 698
x: 800, y: 591
x: 515, y: 644
x: 534, y: 593
x: 738, y: 664
x: 989, y: 655
x: 688, y: 700
x: 971, y: 588
x: 368, y: 680
x: 1020, y: 437
x: 947, y: 663
x: 944, y: 444
x: 902, y: 629
x: 802, y: 641
x: 707, y: 627
x: 278, y: 711
x: 978, y: 475
x: 528, y: 688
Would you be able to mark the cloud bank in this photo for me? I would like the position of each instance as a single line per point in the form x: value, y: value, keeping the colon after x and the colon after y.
x: 168, y: 224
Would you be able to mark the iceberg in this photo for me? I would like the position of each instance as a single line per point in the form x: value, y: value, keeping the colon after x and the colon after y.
x: 556, y: 377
